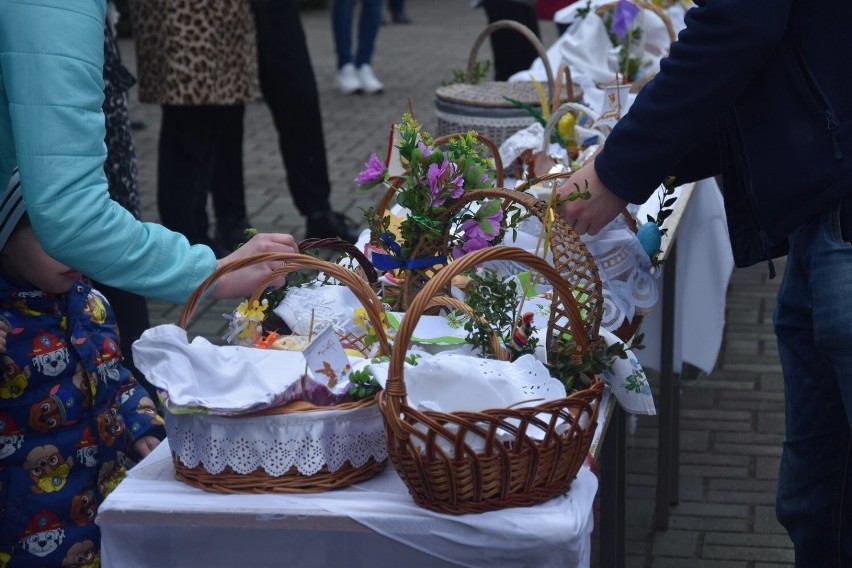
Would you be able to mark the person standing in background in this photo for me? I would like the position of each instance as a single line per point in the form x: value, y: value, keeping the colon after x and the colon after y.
x: 397, y: 10
x: 200, y: 64
x: 289, y: 89
x: 775, y: 82
x: 354, y: 72
x: 512, y: 51
x: 545, y: 10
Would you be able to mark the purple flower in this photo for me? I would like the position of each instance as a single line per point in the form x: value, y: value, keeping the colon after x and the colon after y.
x: 480, y: 231
x: 425, y: 150
x: 444, y: 181
x: 625, y: 13
x: 373, y: 173
x: 470, y: 245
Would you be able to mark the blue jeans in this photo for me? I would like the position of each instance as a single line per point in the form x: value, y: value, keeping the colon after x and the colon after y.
x: 813, y: 323
x: 369, y: 21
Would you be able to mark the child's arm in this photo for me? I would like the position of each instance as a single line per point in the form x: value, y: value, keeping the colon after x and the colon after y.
x: 2, y: 337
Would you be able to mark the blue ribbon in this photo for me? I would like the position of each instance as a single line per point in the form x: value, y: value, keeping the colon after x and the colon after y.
x: 393, y: 261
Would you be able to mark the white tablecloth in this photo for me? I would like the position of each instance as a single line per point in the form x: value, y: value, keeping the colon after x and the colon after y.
x: 151, y: 519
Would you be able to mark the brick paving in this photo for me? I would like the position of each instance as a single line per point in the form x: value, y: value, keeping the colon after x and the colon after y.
x: 731, y: 421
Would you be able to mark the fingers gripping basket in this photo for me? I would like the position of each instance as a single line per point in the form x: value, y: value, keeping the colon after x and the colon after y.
x: 434, y: 451
x: 329, y: 447
x: 629, y: 326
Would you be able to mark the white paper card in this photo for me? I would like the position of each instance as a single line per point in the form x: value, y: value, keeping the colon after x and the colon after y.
x: 616, y: 103
x: 326, y: 358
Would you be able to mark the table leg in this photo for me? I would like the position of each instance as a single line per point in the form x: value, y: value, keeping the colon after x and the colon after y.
x: 612, y: 488
x: 669, y: 412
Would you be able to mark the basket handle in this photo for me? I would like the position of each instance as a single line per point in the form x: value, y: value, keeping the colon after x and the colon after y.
x: 395, y: 387
x: 563, y: 71
x: 385, y: 202
x: 562, y: 111
x: 523, y: 30
x: 291, y: 262
x: 642, y: 4
x: 346, y: 247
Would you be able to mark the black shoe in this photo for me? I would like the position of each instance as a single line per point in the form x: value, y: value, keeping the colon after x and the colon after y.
x: 330, y: 224
x: 401, y: 18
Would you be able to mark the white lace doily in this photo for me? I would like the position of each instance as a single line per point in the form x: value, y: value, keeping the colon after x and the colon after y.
x: 307, y: 440
x: 629, y: 286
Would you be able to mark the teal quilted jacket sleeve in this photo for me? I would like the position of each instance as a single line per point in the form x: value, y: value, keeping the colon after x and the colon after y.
x: 52, y: 126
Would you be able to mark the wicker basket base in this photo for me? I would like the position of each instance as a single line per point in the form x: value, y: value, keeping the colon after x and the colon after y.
x: 259, y: 481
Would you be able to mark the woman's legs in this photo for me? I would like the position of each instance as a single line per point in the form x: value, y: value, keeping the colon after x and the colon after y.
x: 341, y: 25
x: 369, y: 22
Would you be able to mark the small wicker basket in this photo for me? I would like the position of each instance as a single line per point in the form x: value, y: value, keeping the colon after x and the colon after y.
x: 283, y: 417
x: 629, y: 327
x: 483, y: 106
x: 433, y: 452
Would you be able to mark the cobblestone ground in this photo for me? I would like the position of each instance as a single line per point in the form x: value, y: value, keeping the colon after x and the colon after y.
x: 732, y: 420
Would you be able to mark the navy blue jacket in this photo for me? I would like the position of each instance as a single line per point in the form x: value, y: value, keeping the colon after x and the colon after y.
x: 759, y: 91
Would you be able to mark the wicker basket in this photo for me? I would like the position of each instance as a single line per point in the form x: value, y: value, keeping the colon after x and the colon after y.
x: 283, y: 417
x: 483, y: 106
x: 628, y: 327
x: 433, y: 451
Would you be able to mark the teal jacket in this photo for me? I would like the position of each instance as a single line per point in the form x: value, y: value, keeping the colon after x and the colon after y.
x: 52, y: 127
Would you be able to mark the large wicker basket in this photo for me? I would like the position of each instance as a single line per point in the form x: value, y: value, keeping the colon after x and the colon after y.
x: 483, y: 107
x: 284, y: 418
x: 434, y: 451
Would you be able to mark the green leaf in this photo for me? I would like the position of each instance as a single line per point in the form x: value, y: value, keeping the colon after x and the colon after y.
x: 487, y: 227
x: 489, y: 208
x: 534, y: 112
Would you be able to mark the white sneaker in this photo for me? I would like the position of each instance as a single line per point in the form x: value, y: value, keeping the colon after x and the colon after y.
x: 369, y: 83
x: 347, y: 79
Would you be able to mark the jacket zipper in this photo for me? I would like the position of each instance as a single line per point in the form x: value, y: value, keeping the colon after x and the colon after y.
x: 817, y: 94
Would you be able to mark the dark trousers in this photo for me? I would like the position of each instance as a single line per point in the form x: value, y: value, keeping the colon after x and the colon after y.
x: 200, y: 152
x: 396, y: 6
x: 512, y: 51
x: 289, y: 89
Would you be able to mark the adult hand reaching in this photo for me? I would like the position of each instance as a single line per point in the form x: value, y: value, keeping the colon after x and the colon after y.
x: 589, y: 215
x: 244, y: 281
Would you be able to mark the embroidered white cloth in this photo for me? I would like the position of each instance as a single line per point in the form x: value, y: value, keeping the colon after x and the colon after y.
x: 199, y: 376
x: 276, y: 442
x: 319, y: 306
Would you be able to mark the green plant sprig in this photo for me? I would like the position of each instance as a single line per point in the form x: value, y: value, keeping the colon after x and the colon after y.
x: 495, y: 302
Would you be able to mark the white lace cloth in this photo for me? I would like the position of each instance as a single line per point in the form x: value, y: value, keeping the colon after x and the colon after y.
x: 275, y: 443
x: 629, y: 284
x: 319, y: 306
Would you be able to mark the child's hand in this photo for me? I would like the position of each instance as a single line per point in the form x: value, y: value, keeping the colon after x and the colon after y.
x: 2, y: 337
x: 145, y: 445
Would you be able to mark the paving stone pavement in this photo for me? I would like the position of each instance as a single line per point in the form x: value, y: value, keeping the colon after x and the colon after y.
x: 731, y: 421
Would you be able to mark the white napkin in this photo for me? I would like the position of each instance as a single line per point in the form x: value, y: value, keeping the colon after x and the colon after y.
x: 218, y: 377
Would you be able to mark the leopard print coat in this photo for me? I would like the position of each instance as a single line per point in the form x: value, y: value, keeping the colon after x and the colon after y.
x: 195, y: 52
